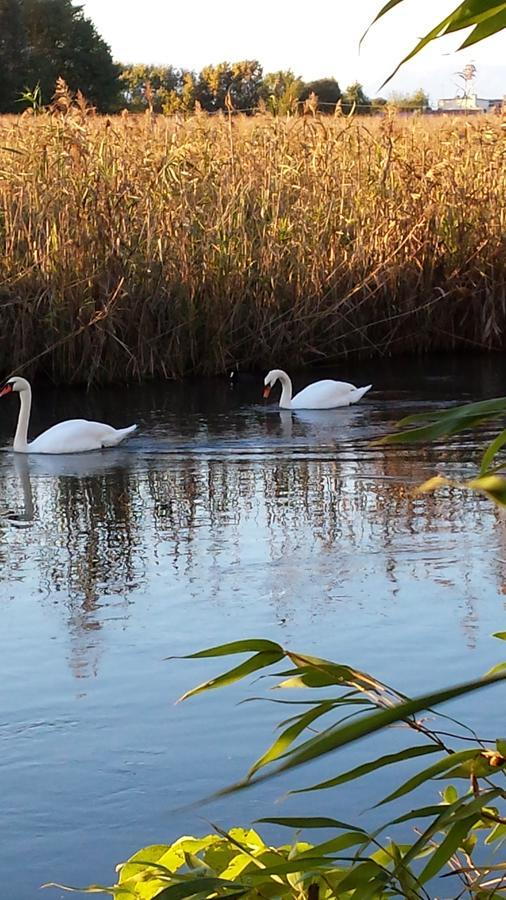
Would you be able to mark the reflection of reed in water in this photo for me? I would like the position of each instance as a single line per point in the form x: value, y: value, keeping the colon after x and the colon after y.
x: 82, y: 538
x: 106, y: 530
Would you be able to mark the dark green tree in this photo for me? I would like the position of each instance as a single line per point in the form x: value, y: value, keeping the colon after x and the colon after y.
x: 326, y: 89
x: 13, y: 54
x: 63, y: 42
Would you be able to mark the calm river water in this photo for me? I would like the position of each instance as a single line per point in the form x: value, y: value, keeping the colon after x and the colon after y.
x: 221, y: 519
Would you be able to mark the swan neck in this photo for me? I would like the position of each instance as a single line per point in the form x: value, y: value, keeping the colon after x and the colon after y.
x: 286, y: 393
x: 21, y: 436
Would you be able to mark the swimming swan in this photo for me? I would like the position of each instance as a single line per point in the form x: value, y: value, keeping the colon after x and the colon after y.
x: 319, y: 395
x: 72, y: 436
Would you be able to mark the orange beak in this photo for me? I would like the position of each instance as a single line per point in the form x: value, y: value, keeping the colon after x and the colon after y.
x: 267, y: 391
x: 7, y: 389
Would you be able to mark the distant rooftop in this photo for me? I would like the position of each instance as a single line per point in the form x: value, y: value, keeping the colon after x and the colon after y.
x: 471, y: 103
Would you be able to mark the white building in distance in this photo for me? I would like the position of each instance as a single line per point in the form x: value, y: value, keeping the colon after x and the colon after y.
x: 469, y: 103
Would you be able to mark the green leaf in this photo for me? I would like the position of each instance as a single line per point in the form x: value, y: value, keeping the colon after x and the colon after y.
x: 247, y: 646
x: 259, y: 661
x: 358, y: 771
x: 470, y: 12
x: 196, y: 886
x: 497, y: 669
x: 492, y: 485
x: 91, y: 889
x: 501, y: 746
x: 383, y: 11
x: 347, y: 734
x: 300, y: 863
x: 359, y: 876
x: 288, y: 736
x: 450, y: 794
x: 309, y: 822
x: 447, y: 848
x: 462, y: 809
x: 442, y: 765
x: 497, y: 833
x: 485, y: 29
x: 501, y: 635
x: 334, y: 845
x: 422, y: 813
x: 492, y: 451
x: 444, y: 423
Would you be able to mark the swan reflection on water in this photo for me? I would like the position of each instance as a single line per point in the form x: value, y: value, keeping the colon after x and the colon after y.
x: 71, y: 465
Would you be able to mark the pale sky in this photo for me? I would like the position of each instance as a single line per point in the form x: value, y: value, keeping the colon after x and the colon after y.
x: 315, y: 40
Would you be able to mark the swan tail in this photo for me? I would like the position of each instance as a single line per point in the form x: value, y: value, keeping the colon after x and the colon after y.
x: 119, y: 435
x: 358, y: 393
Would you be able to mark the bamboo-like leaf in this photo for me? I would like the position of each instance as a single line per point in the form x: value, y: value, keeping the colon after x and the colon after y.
x: 473, y: 12
x: 288, y: 736
x: 91, y: 889
x: 432, y: 484
x: 347, y: 734
x: 383, y: 11
x: 299, y: 863
x: 434, y: 33
x: 497, y: 834
x: 447, y: 847
x: 334, y: 845
x: 442, y: 765
x: 495, y: 670
x: 492, y: 485
x: 247, y: 646
x: 197, y: 886
x: 423, y: 812
x: 365, y: 768
x: 463, y: 808
x: 309, y: 822
x: 468, y: 13
x: 492, y: 451
x: 491, y: 26
x: 444, y: 423
x: 341, y: 674
x: 359, y: 876
x: 258, y: 661
x: 501, y: 635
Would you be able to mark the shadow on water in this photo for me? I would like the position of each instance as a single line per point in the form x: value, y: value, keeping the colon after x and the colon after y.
x: 222, y: 518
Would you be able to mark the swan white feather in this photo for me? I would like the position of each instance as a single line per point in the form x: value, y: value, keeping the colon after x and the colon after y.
x: 325, y: 394
x: 71, y: 436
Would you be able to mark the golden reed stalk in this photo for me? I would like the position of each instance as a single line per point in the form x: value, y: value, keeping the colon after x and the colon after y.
x: 145, y: 246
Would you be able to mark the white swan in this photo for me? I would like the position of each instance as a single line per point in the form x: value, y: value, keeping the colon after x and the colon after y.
x: 319, y: 395
x: 72, y: 436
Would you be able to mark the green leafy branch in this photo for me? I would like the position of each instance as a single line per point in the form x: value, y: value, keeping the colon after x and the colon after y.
x: 432, y: 425
x: 240, y: 863
x: 485, y: 17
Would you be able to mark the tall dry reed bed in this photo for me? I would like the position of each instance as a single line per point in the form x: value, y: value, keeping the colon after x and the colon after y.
x: 140, y: 246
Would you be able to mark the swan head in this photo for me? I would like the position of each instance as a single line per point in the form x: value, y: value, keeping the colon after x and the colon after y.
x: 270, y: 380
x: 15, y: 384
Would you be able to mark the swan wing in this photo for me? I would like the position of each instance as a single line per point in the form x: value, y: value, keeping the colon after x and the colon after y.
x: 78, y: 436
x: 325, y: 395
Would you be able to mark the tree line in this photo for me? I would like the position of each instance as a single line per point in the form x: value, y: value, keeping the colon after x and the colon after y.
x: 43, y: 40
